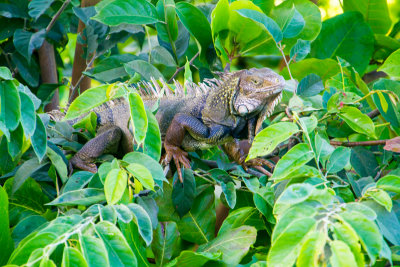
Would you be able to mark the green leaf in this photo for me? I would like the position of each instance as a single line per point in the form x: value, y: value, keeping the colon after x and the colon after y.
x: 357, y: 121
x: 289, y: 19
x: 183, y: 194
x: 24, y: 171
x: 58, y: 163
x: 39, y: 139
x: 160, y: 55
x: 131, y: 234
x: 391, y: 66
x: 21, y: 254
x: 284, y: 250
x: 229, y: 191
x: 5, y: 73
x: 90, y: 99
x: 341, y: 255
x: 346, y: 36
x: 346, y: 233
x: 141, y: 173
x: 168, y: 32
x: 323, y: 149
x: 311, y: 250
x: 166, y: 242
x: 270, y: 25
x: 381, y: 197
x: 26, y: 226
x: 119, y: 252
x: 152, y: 143
x: 338, y: 159
x: 242, y: 216
x: 94, y: 251
x: 28, y: 118
x: 29, y: 71
x: 16, y: 142
x: 88, y: 123
x: 390, y: 112
x: 153, y: 166
x: 144, y: 68
x: 266, y: 141
x: 197, y: 24
x: 72, y: 257
x: 143, y: 221
x: 294, y: 159
x: 26, y: 42
x: 375, y: 13
x: 139, y: 117
x: 389, y: 183
x: 5, y: 236
x: 115, y: 185
x: 294, y: 194
x: 78, y: 180
x: 115, y: 12
x: 367, y: 231
x: 189, y: 258
x: 310, y: 85
x: 198, y: 225
x: 10, y: 105
x: 38, y: 7
x: 300, y: 50
x: 85, y: 197
x: 233, y: 244
x: 324, y: 68
x: 364, y: 162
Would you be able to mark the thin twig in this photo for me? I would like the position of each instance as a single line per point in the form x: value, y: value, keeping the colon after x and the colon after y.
x: 362, y: 143
x: 213, y: 164
x: 81, y: 78
x: 179, y: 69
x: 374, y: 113
x: 279, y: 45
x: 53, y: 20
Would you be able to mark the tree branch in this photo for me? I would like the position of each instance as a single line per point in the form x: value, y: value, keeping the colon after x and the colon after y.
x: 363, y: 143
x: 179, y: 69
x: 374, y: 113
x: 54, y: 19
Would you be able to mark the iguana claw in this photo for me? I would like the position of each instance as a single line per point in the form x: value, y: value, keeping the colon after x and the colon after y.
x: 258, y: 164
x: 83, y: 165
x: 179, y: 156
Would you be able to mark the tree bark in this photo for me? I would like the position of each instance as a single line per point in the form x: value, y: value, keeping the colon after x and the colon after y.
x: 80, y: 63
x: 48, y: 70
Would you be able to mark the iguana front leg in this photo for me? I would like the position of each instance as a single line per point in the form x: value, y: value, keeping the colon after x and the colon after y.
x: 185, y: 124
x: 105, y: 142
x: 238, y: 150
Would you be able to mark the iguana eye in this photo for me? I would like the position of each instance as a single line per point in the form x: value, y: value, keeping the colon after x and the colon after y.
x: 255, y: 81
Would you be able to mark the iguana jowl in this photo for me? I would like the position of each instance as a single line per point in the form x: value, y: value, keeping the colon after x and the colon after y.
x: 232, y: 108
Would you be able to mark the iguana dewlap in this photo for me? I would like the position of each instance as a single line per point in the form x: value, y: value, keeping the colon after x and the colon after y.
x: 230, y: 109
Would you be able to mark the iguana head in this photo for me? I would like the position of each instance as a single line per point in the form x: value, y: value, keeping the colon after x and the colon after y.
x: 257, y: 88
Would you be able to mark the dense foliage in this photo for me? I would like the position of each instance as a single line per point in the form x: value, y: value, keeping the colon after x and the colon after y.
x: 332, y: 197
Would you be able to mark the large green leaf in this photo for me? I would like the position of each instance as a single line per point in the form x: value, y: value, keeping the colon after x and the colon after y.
x: 311, y: 250
x: 242, y: 216
x: 364, y: 162
x: 115, y: 12
x: 78, y: 180
x: 392, y: 65
x: 168, y: 32
x: 233, y: 244
x: 94, y: 251
x: 39, y: 139
x: 324, y: 68
x: 119, y: 252
x: 5, y: 73
x: 144, y: 68
x: 131, y: 234
x: 357, y: 121
x: 10, y: 105
x: 115, y: 185
x: 341, y: 255
x: 141, y: 173
x: 139, y: 117
x: 375, y: 13
x: 284, y: 250
x: 58, y: 163
x: 338, y: 159
x: 28, y: 116
x: 266, y: 141
x: 24, y: 171
x: 197, y: 24
x: 16, y: 142
x: 389, y: 183
x: 38, y: 7
x: 189, y: 258
x: 73, y: 257
x: 5, y: 236
x: 198, y: 224
x: 346, y: 36
x: 183, y: 194
x: 294, y: 159
x: 143, y: 221
x: 86, y: 197
x: 27, y: 226
x: 26, y: 42
x: 152, y: 143
x: 310, y: 85
x: 166, y: 242
x: 385, y: 103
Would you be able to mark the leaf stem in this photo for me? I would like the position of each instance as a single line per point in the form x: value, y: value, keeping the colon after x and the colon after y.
x: 54, y: 19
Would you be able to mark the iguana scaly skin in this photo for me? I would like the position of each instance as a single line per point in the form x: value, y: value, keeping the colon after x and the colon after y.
x: 223, y: 112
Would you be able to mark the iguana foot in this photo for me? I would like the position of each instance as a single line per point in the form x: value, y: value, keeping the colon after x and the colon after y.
x: 179, y: 156
x: 258, y: 164
x: 83, y: 165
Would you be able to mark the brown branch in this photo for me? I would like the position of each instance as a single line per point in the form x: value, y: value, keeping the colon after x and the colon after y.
x: 179, y: 69
x: 213, y: 164
x: 374, y: 113
x: 363, y: 143
x: 73, y: 94
x: 54, y: 19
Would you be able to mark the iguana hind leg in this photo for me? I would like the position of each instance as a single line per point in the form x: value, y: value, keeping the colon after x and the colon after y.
x: 105, y: 142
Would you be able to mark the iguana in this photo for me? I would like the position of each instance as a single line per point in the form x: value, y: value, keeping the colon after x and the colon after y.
x: 220, y: 113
